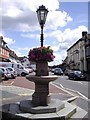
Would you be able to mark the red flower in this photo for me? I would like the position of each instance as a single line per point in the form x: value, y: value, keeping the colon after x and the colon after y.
x: 41, y: 54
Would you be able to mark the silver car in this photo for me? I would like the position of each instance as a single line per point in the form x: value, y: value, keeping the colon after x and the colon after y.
x: 12, y: 72
x: 6, y: 72
x: 58, y: 71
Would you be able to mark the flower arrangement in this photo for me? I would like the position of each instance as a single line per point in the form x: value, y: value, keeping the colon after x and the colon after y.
x: 41, y: 54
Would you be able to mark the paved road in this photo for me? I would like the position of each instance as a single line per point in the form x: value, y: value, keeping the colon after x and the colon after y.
x: 24, y: 89
x: 80, y: 87
x: 23, y: 82
x: 20, y: 88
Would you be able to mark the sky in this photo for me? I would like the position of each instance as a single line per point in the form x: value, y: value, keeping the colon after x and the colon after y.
x: 64, y: 25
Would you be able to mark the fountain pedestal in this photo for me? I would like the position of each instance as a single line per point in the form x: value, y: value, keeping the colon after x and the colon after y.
x: 41, y: 101
x: 41, y: 79
x: 41, y: 96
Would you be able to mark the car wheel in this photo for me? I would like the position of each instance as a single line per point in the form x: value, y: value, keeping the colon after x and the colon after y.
x: 13, y: 77
x: 6, y: 78
x: 23, y: 74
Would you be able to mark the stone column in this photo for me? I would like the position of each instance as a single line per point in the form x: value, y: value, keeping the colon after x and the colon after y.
x: 41, y: 95
x: 42, y: 69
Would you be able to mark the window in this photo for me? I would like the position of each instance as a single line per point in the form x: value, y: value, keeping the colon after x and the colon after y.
x: 88, y: 51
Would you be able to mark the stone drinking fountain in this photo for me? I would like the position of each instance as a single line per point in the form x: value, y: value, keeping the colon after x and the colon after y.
x: 41, y: 106
x: 41, y: 99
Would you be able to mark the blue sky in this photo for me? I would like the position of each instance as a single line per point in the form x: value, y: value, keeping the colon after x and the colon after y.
x: 64, y: 25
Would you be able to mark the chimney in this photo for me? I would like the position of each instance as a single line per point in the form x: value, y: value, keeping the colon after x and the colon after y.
x: 88, y: 36
x: 84, y: 34
x: 1, y: 37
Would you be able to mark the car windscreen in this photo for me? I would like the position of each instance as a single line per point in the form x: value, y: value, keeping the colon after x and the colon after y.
x: 77, y: 72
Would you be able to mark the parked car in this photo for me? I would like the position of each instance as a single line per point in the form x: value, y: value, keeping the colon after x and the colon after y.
x: 2, y: 76
x: 29, y: 69
x: 7, y: 74
x: 12, y: 72
x: 67, y: 71
x: 76, y: 75
x: 52, y: 70
x: 21, y: 70
x: 58, y: 71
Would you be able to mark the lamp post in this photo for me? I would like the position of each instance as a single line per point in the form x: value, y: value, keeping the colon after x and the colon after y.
x: 42, y: 14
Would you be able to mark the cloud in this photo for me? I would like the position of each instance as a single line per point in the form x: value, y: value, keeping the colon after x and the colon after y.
x: 8, y: 40
x: 31, y: 35
x: 74, y: 1
x: 21, y: 15
x: 1, y: 34
x: 65, y: 40
x: 59, y: 19
x: 62, y: 40
x: 58, y: 59
x: 68, y: 36
x: 20, y: 51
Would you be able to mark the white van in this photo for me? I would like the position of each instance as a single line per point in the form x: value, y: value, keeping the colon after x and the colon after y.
x: 21, y: 70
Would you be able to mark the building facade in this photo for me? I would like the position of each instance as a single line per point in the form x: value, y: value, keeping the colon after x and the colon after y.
x: 6, y: 54
x: 24, y: 61
x: 13, y: 57
x: 4, y: 50
x: 87, y: 48
x: 76, y: 54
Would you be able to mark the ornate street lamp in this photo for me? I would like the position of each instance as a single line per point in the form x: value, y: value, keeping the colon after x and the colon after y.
x: 42, y: 14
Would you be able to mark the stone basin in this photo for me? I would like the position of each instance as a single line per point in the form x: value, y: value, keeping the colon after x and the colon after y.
x: 41, y: 79
x: 41, y: 96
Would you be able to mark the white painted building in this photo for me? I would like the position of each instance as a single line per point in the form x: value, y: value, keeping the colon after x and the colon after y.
x: 76, y: 54
x: 24, y: 61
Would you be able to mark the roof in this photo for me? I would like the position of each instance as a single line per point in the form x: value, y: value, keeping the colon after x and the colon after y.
x: 1, y: 39
x: 75, y: 43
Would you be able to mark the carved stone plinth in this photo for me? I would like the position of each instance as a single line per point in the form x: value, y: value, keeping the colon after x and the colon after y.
x: 54, y: 106
x: 41, y: 95
x: 42, y: 69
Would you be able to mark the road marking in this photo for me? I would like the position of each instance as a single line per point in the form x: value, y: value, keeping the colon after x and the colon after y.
x: 19, y: 95
x: 79, y: 82
x: 25, y: 94
x: 82, y: 95
x: 63, y: 88
x: 72, y: 99
x: 77, y: 92
x: 12, y: 82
